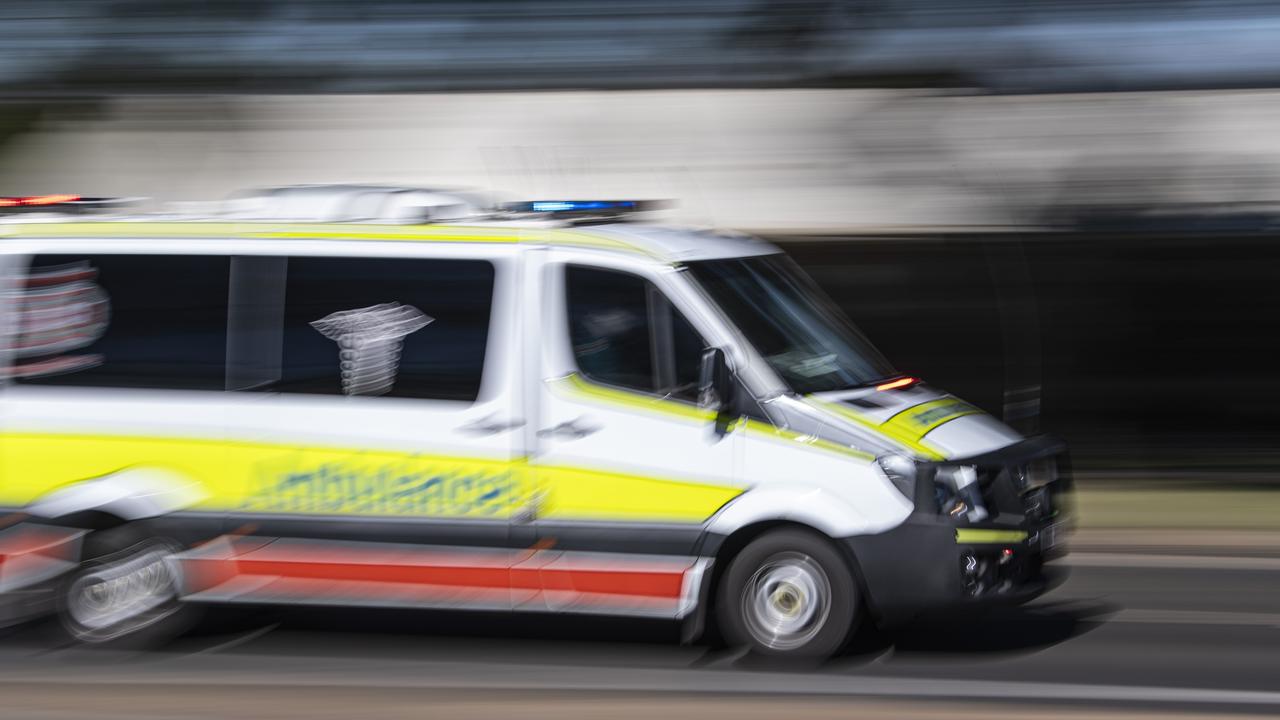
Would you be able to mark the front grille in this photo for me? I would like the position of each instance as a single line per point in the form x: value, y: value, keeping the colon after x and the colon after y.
x: 1025, y: 484
x: 1029, y: 489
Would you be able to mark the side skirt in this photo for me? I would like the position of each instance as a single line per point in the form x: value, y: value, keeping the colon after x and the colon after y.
x: 248, y: 569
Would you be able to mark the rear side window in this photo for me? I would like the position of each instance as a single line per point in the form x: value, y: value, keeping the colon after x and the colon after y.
x: 396, y: 327
x: 625, y: 333
x: 126, y: 321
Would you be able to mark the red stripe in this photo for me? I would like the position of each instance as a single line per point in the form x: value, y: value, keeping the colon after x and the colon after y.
x: 606, y: 582
x: 486, y: 577
x: 487, y: 571
x: 356, y: 592
x: 612, y: 582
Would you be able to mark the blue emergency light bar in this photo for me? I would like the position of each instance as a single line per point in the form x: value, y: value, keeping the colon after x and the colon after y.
x: 600, y: 207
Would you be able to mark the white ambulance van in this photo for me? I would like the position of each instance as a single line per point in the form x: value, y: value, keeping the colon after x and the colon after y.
x: 393, y: 397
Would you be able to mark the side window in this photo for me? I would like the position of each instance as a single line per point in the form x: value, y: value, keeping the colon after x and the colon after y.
x: 609, y: 327
x: 397, y: 327
x: 688, y: 347
x: 128, y: 321
x: 625, y: 333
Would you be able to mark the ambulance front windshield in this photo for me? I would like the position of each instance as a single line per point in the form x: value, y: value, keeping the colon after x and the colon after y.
x: 806, y: 339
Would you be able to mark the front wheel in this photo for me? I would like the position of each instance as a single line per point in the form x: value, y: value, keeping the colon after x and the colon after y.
x: 788, y: 594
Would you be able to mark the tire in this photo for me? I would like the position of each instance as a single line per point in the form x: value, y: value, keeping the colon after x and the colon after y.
x: 788, y: 594
x: 125, y: 592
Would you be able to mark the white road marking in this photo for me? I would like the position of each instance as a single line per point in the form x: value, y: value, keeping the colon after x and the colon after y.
x: 1196, y: 617
x: 491, y: 676
x: 1188, y: 562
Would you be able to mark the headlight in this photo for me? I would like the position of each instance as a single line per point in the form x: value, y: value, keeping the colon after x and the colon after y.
x: 956, y: 488
x: 955, y: 492
x: 902, y: 473
x: 1037, y: 485
x: 1038, y: 473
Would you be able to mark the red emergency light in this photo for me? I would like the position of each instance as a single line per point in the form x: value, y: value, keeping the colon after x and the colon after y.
x: 48, y: 199
x: 899, y: 383
x: 36, y: 200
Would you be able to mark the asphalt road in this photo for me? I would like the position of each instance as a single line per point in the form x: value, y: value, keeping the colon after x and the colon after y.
x: 1128, y: 634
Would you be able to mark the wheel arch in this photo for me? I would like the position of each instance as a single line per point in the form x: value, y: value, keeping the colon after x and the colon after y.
x: 724, y: 548
x: 127, y: 495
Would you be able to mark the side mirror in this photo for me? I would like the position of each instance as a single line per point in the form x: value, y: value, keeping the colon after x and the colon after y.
x: 716, y: 388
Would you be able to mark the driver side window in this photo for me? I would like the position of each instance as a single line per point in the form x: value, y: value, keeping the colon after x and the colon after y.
x: 626, y: 334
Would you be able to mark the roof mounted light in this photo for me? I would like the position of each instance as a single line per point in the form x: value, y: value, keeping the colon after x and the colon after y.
x: 901, y: 382
x: 584, y: 207
x: 48, y: 199
x: 63, y: 203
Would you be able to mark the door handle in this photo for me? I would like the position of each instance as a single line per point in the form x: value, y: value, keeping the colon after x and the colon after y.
x: 570, y: 429
x: 490, y: 425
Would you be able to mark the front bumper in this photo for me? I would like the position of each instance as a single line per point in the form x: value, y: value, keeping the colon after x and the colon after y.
x: 923, y: 566
x: 931, y: 562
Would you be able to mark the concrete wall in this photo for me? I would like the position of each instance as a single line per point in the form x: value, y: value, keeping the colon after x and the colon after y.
x: 795, y: 160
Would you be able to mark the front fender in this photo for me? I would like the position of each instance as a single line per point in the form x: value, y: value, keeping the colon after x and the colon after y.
x: 817, y: 507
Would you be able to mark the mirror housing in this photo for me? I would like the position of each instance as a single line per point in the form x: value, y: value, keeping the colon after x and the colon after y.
x: 716, y: 388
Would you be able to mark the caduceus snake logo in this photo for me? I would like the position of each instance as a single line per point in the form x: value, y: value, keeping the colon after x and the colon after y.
x: 369, y: 343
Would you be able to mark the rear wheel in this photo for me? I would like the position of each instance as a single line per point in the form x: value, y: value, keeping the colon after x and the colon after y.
x: 788, y: 594
x: 125, y: 591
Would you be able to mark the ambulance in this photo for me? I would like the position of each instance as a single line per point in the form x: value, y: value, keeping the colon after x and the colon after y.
x: 375, y: 396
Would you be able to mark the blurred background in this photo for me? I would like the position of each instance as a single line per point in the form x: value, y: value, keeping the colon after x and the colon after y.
x: 1065, y: 212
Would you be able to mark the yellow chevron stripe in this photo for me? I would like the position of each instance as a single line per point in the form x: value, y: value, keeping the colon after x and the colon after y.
x: 271, y: 478
x: 906, y: 438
